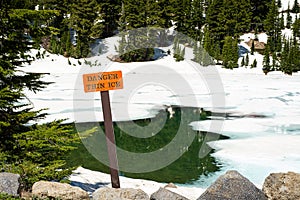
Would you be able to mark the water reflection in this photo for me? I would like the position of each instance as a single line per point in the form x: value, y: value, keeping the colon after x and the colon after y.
x: 186, y: 169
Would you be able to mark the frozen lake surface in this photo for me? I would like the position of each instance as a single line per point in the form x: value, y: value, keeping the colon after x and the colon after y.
x: 257, y: 145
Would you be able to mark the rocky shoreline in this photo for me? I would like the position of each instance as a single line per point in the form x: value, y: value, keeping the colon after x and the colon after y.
x: 232, y: 186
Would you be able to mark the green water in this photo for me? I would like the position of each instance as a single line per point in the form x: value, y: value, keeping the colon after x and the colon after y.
x: 186, y: 169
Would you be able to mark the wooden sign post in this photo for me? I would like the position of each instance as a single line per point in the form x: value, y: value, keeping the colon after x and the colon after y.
x: 104, y: 82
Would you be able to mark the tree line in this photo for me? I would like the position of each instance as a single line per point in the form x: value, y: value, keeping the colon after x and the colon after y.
x: 208, y: 21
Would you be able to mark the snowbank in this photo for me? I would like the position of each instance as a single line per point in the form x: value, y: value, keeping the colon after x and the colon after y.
x: 91, y: 180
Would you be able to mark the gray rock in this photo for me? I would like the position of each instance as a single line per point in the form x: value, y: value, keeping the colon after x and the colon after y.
x: 170, y: 185
x: 232, y: 186
x: 10, y: 183
x: 283, y: 186
x: 63, y: 191
x: 120, y: 194
x: 164, y: 194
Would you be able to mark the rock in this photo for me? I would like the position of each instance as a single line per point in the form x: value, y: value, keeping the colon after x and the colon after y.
x: 120, y: 194
x: 164, y: 194
x: 282, y: 186
x: 63, y: 191
x: 233, y: 186
x: 114, y: 58
x: 170, y: 185
x: 10, y: 183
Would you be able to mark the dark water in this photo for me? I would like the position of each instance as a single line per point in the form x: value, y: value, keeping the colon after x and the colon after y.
x: 186, y: 169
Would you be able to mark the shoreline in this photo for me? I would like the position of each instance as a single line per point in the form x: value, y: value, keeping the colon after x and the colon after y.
x: 90, y: 181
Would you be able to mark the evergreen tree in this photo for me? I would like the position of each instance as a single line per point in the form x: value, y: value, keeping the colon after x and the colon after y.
x: 289, y: 61
x: 243, y: 62
x: 83, y: 17
x: 208, y: 41
x: 296, y: 8
x: 63, y: 7
x: 213, y: 12
x: 196, y: 19
x: 247, y: 60
x: 217, y: 54
x: 271, y: 17
x: 182, y: 54
x: 230, y: 53
x: 144, y: 13
x: 273, y: 26
x: 259, y: 13
x: 183, y: 10
x: 282, y: 21
x: 34, y: 151
x: 224, y: 20
x: 274, y: 62
x: 110, y: 10
x: 254, y: 64
x: 196, y: 52
x: 296, y: 27
x: 266, y: 61
x: 279, y: 4
x: 288, y: 17
x: 252, y: 48
x: 165, y: 10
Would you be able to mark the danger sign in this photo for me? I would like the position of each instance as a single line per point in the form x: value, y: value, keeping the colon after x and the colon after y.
x: 103, y: 81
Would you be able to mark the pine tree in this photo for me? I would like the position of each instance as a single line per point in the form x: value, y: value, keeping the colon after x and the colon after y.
x: 247, y: 60
x: 279, y: 4
x: 224, y: 20
x: 34, y: 151
x: 165, y: 10
x: 271, y: 17
x: 196, y: 52
x: 182, y: 54
x: 296, y: 27
x: 138, y: 14
x: 243, y: 62
x: 274, y: 62
x: 83, y: 18
x: 252, y: 48
x: 259, y: 13
x: 288, y: 17
x: 213, y: 18
x: 196, y: 19
x: 183, y: 10
x: 296, y: 8
x: 266, y: 61
x: 207, y: 41
x: 110, y: 10
x: 230, y: 53
x: 217, y: 54
x: 289, y: 61
x: 282, y: 21
x: 254, y: 64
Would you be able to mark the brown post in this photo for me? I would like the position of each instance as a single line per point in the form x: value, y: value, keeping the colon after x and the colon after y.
x: 110, y: 139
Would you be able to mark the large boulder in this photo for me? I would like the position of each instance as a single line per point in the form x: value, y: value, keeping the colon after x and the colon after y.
x: 282, y: 186
x: 164, y: 194
x: 120, y: 194
x: 10, y: 183
x: 54, y: 190
x: 232, y: 186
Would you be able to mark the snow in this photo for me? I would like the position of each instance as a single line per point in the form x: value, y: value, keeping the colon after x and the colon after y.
x: 93, y: 180
x: 262, y: 37
x: 285, y: 4
x: 287, y: 33
x: 258, y: 146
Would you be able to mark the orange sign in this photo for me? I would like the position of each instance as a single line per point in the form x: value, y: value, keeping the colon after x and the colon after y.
x: 103, y: 81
